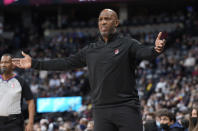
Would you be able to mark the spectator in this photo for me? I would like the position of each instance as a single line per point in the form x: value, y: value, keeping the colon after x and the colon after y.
x: 90, y: 126
x: 168, y: 122
x: 193, y: 119
x: 82, y: 125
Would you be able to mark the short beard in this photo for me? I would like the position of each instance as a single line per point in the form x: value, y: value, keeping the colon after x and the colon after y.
x: 107, y: 34
x: 3, y: 70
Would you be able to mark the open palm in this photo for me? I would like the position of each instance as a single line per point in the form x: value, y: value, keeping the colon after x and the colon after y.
x: 23, y: 63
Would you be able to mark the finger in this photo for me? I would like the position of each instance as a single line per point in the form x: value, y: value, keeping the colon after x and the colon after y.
x: 17, y: 65
x: 159, y: 35
x: 160, y: 42
x: 164, y: 41
x: 24, y: 54
x: 159, y: 49
x: 161, y: 45
x: 16, y: 59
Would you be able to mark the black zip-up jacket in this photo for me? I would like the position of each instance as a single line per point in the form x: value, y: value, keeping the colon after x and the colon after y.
x: 111, y: 68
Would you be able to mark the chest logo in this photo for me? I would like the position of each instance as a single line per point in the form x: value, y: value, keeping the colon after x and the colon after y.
x: 12, y: 86
x: 116, y: 51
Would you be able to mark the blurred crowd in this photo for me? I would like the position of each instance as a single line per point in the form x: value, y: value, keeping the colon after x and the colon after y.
x: 168, y: 85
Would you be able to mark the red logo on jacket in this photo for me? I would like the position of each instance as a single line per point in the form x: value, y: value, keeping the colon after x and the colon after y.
x: 116, y: 51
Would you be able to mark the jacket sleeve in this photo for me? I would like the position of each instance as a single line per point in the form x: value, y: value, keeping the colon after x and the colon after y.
x: 140, y: 52
x: 77, y: 60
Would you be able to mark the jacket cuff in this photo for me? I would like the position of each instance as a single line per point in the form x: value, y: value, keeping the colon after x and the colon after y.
x: 35, y: 63
x: 155, y: 52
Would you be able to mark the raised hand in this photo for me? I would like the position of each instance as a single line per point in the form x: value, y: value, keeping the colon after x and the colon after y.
x: 23, y: 63
x: 159, y: 44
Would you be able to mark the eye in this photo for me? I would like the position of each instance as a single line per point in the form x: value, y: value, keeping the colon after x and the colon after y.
x: 100, y: 19
x: 107, y: 18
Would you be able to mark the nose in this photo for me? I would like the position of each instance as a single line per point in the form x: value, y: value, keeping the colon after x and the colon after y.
x: 3, y: 65
x: 103, y: 22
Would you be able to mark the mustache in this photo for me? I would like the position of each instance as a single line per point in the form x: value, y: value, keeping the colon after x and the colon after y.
x: 3, y: 70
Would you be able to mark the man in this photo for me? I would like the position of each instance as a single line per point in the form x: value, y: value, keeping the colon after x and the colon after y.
x: 82, y: 124
x: 12, y: 90
x: 90, y: 126
x: 111, y: 67
x: 150, y: 116
x: 168, y: 122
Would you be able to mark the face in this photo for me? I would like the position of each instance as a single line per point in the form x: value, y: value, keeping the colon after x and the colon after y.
x: 6, y: 64
x: 107, y: 22
x: 165, y: 120
x: 90, y: 125
x: 149, y: 117
x: 194, y: 113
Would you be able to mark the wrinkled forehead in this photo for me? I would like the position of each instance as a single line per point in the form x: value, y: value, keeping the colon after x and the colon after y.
x: 107, y: 13
x: 6, y: 59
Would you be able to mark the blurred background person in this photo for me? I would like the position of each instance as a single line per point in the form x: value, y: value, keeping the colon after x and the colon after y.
x: 90, y: 126
x: 168, y: 122
x: 13, y: 90
x: 193, y: 123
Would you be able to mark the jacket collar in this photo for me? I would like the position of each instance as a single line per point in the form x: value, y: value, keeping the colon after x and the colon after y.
x: 113, y: 42
x: 112, y: 37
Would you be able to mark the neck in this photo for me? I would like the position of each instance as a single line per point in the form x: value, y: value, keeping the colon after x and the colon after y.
x: 7, y: 76
x: 105, y: 39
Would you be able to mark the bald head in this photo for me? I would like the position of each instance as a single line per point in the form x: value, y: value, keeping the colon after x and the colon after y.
x: 110, y: 12
x: 107, y: 23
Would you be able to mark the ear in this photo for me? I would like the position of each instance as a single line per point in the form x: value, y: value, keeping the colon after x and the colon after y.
x: 117, y: 22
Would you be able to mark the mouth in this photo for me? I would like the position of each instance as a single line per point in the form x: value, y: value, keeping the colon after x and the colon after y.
x: 104, y: 29
x: 2, y: 70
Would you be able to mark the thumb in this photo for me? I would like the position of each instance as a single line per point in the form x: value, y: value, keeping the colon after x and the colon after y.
x: 164, y: 41
x: 24, y: 54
